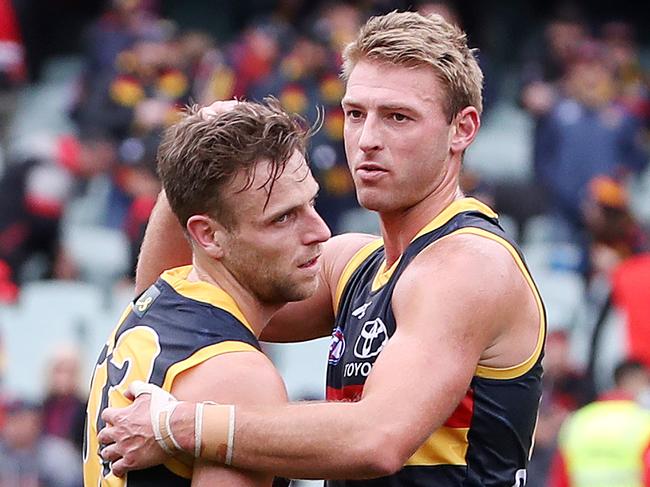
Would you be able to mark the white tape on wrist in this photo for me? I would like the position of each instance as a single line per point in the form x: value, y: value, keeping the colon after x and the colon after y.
x: 231, y: 436
x: 161, y: 409
x: 198, y: 429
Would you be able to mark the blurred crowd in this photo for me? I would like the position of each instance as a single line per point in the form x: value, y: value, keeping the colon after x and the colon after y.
x: 583, y: 85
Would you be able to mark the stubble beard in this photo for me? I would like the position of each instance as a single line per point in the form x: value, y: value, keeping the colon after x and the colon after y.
x: 267, y: 286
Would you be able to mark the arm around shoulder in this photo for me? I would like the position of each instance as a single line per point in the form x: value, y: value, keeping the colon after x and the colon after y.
x: 232, y: 378
x: 164, y: 245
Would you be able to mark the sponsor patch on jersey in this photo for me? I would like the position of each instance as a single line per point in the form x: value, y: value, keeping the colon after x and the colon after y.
x: 337, y: 346
x: 144, y: 302
x: 371, y: 340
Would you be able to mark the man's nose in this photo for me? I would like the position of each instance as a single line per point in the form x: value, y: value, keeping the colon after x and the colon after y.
x: 317, y: 229
x: 370, y: 137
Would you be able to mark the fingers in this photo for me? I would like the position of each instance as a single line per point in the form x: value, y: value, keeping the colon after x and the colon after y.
x: 137, y: 388
x: 109, y: 416
x: 218, y: 107
x: 110, y: 454
x: 119, y: 468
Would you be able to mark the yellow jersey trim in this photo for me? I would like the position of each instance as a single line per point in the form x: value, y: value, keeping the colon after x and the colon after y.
x: 457, y: 206
x: 519, y: 369
x: 204, y: 292
x: 446, y: 446
x: 352, y: 265
x: 201, y: 356
x: 178, y: 467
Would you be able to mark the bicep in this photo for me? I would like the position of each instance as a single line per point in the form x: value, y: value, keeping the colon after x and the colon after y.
x: 423, y: 372
x: 426, y: 368
x: 232, y: 378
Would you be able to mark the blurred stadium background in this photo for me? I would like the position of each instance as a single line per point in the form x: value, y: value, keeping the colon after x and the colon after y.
x: 87, y: 86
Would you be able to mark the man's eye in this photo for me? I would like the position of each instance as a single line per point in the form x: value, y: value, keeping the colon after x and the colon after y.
x: 354, y: 114
x: 282, y: 218
x: 399, y: 117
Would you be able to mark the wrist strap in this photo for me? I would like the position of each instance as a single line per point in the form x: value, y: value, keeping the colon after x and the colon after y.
x: 216, y: 435
x: 161, y: 408
x: 160, y: 421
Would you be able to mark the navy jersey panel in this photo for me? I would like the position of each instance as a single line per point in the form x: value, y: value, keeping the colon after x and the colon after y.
x: 162, y: 334
x: 493, y: 426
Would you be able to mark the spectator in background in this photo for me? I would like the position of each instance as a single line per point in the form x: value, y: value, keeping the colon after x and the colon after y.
x: 623, y: 54
x: 33, y: 194
x: 564, y: 391
x: 618, y: 276
x: 139, y: 186
x: 544, y: 69
x: 586, y: 133
x: 13, y: 71
x: 606, y: 443
x: 148, y: 86
x: 123, y: 24
x: 12, y: 55
x: 247, y: 61
x: 306, y: 80
x: 63, y: 409
x: 614, y: 233
x: 29, y: 459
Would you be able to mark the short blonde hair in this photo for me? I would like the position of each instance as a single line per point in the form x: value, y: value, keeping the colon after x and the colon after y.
x: 410, y: 39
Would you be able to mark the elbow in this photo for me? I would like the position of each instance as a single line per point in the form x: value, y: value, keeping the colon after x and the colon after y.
x: 382, y: 454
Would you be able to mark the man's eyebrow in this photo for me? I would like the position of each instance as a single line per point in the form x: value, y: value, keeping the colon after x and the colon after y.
x: 395, y: 106
x: 289, y: 209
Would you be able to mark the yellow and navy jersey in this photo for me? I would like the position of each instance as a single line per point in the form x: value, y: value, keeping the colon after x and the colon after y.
x: 173, y: 326
x: 486, y: 442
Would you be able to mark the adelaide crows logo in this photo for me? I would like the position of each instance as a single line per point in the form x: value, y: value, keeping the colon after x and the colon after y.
x: 337, y: 346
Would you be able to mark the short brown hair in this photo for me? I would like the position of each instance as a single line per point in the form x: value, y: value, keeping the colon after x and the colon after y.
x: 410, y: 39
x: 201, y: 154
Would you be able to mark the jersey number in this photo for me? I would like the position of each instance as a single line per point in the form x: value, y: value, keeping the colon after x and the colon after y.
x: 132, y: 358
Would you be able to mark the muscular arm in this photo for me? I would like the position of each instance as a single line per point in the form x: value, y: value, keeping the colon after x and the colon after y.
x: 164, y: 245
x: 237, y: 378
x: 464, y: 303
x: 461, y: 316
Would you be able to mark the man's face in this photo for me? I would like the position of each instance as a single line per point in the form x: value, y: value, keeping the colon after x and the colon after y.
x: 397, y: 138
x: 274, y: 251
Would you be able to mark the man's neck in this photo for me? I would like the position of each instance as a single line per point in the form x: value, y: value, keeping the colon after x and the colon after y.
x: 256, y: 313
x: 399, y: 228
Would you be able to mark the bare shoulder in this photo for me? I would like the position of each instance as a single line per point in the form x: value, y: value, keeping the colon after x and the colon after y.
x: 339, y: 250
x: 468, y: 260
x: 238, y: 377
x: 478, y: 285
x: 246, y: 377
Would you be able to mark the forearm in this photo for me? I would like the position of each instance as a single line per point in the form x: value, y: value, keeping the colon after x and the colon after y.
x: 306, y: 440
x: 164, y: 245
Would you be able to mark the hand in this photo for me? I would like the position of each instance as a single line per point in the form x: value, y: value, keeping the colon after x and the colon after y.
x: 128, y: 434
x: 218, y: 107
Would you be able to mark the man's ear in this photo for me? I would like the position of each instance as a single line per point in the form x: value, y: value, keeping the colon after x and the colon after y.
x: 208, y: 235
x: 467, y: 123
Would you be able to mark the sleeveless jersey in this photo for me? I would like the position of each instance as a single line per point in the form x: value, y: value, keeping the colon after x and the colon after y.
x: 173, y: 326
x: 486, y: 442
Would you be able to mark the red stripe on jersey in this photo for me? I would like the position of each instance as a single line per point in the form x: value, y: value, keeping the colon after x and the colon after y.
x: 462, y: 416
x: 346, y: 393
